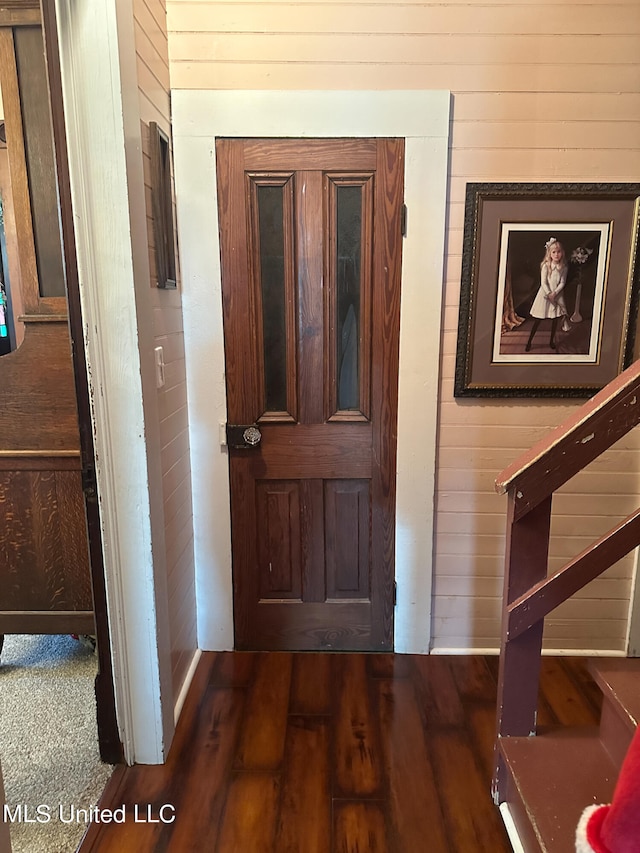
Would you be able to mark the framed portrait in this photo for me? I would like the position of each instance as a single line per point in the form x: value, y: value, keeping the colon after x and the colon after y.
x: 549, y: 289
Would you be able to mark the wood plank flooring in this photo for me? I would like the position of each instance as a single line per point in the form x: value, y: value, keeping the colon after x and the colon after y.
x: 332, y: 753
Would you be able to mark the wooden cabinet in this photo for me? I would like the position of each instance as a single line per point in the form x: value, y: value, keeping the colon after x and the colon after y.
x: 44, y: 565
x: 45, y: 584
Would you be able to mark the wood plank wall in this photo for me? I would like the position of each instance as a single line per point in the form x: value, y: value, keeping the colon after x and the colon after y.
x: 542, y: 91
x: 153, y: 82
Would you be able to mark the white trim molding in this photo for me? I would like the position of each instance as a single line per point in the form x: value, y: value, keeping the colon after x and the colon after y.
x: 422, y: 118
x: 633, y: 627
x: 97, y: 57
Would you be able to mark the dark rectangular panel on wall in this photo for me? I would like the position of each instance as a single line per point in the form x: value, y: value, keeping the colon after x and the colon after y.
x: 347, y: 510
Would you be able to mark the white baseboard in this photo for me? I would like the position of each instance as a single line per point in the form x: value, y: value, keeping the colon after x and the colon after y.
x: 576, y: 653
x: 509, y: 825
x: 442, y: 650
x: 186, y: 684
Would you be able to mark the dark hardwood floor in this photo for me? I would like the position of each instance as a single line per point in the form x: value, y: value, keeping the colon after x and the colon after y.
x: 332, y: 753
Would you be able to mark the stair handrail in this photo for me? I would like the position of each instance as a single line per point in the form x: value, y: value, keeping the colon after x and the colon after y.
x: 529, y: 592
x: 593, y: 428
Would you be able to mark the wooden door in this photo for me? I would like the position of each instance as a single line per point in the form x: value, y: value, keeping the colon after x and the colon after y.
x: 310, y: 235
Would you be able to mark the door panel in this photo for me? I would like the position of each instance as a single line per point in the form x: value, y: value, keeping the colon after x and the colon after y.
x: 311, y: 252
x: 347, y: 505
x: 278, y: 533
x: 273, y: 292
x: 348, y: 297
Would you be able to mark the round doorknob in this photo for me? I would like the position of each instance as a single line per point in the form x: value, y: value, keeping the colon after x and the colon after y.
x: 252, y: 436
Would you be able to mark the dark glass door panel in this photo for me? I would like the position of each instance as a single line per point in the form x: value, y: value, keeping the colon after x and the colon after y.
x: 40, y: 161
x: 274, y: 293
x: 350, y: 215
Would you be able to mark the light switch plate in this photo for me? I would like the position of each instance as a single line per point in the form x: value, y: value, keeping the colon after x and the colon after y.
x: 159, y: 358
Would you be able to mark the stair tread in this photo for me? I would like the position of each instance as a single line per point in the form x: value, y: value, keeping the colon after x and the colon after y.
x: 619, y: 680
x: 557, y: 775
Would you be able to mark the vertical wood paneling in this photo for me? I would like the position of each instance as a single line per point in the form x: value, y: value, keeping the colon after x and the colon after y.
x: 541, y: 91
x: 154, y: 97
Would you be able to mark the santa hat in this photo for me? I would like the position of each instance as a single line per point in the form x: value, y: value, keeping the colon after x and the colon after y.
x: 615, y: 828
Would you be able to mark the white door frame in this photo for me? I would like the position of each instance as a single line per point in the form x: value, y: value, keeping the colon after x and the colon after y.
x: 422, y: 118
x: 633, y: 630
x: 102, y: 115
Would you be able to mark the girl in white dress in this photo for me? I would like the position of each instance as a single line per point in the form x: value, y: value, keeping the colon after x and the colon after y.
x: 549, y: 301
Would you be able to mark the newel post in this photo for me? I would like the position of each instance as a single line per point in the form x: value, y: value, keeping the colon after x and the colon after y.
x: 526, y: 559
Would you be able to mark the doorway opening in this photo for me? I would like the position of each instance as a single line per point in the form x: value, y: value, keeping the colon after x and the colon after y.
x: 421, y: 118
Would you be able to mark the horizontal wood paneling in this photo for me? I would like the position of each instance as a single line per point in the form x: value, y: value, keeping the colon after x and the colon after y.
x: 153, y: 61
x: 490, y: 587
x: 542, y: 91
x: 512, y: 19
x: 537, y: 107
x: 493, y: 524
x: 488, y: 78
x: 175, y: 474
x: 551, y: 134
x: 382, y: 48
x: 578, y: 609
x: 166, y: 305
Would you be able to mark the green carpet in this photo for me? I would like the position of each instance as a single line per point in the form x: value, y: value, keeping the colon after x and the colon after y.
x: 48, y: 740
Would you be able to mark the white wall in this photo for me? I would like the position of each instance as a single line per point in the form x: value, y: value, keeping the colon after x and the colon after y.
x: 543, y: 90
x: 165, y: 313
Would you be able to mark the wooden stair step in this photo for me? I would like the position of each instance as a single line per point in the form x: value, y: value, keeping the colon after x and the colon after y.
x: 553, y: 778
x: 619, y: 680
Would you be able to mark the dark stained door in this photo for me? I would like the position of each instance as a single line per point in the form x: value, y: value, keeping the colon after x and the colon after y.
x: 310, y: 240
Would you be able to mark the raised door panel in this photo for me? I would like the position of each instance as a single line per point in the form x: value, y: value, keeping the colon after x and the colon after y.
x: 347, y: 514
x: 278, y: 533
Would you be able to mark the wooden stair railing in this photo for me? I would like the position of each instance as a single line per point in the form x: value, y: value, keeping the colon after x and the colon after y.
x: 529, y: 592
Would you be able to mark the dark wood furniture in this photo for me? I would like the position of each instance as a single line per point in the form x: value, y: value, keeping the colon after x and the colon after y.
x: 45, y: 584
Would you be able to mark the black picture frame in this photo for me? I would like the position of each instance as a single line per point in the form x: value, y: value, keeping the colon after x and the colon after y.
x: 162, y: 207
x: 586, y: 328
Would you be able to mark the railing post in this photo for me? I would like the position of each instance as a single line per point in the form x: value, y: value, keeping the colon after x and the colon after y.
x: 526, y: 560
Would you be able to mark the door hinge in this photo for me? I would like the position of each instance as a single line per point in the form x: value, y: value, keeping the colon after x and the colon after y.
x: 89, y: 483
x: 395, y: 593
x: 403, y: 220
